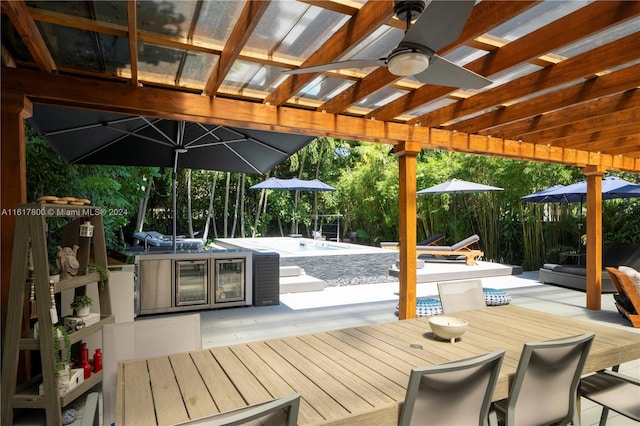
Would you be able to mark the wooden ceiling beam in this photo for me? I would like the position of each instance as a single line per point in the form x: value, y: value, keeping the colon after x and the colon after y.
x: 24, y: 24
x: 132, y: 24
x: 619, y: 146
x: 583, y: 22
x: 7, y: 57
x: 108, y: 96
x: 587, y: 126
x: 560, y: 117
x: 608, y: 84
x: 484, y: 17
x: 586, y: 139
x: 247, y: 21
x: 614, y: 54
x: 347, y: 9
x: 362, y: 24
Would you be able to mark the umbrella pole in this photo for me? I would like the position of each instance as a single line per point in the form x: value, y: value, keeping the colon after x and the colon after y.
x: 177, y: 152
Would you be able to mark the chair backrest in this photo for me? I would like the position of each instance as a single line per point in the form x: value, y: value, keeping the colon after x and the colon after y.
x: 456, y: 393
x: 431, y: 240
x: 282, y: 412
x: 456, y: 296
x: 544, y: 389
x: 465, y: 243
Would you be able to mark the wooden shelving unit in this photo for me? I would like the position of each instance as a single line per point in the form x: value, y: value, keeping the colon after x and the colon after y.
x: 31, y: 235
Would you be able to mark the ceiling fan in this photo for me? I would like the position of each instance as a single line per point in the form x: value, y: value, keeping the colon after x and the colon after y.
x: 435, y: 26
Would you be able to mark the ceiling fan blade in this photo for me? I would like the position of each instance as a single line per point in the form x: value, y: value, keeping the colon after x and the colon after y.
x: 442, y: 72
x: 355, y: 63
x: 440, y: 24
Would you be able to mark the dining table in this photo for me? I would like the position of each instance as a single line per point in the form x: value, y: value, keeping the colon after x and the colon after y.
x: 349, y: 376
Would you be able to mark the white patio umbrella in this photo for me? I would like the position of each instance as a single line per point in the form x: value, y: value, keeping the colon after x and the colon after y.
x: 458, y: 186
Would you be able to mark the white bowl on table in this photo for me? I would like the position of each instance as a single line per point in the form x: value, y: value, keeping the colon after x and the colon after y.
x: 447, y: 327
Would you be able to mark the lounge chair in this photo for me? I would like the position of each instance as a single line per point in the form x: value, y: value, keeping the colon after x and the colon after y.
x: 455, y: 251
x: 628, y: 297
x: 432, y: 240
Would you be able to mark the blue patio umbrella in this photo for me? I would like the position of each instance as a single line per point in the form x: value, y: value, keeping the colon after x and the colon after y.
x: 612, y: 188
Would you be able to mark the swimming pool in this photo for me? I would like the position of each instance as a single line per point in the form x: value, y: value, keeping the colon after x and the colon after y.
x: 327, y: 260
x: 290, y: 246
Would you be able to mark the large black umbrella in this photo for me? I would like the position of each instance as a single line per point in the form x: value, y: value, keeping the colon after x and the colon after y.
x: 295, y: 184
x: 457, y: 186
x: 95, y: 137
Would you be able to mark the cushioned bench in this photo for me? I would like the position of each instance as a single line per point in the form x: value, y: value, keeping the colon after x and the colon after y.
x: 575, y: 276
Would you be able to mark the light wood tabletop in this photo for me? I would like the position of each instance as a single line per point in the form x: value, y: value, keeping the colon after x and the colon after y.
x: 354, y: 376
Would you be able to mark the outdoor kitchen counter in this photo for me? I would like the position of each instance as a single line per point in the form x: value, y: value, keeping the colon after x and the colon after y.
x: 350, y: 376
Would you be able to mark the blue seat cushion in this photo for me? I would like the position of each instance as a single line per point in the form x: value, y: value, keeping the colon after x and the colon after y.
x: 428, y: 306
x: 496, y: 297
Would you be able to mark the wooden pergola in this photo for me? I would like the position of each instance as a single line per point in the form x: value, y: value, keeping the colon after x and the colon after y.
x: 566, y: 88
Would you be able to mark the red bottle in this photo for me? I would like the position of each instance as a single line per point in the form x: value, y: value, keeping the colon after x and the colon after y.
x: 87, y: 369
x: 84, y: 353
x: 97, y: 361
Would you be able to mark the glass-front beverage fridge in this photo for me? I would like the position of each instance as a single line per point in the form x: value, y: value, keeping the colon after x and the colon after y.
x: 229, y: 280
x: 192, y: 282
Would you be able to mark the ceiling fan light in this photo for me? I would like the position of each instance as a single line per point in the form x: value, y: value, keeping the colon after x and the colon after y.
x: 408, y: 63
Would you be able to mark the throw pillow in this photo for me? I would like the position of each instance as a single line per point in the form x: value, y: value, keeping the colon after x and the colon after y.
x: 633, y: 274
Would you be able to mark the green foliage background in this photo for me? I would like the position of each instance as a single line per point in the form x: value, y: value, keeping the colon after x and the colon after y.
x: 366, y: 178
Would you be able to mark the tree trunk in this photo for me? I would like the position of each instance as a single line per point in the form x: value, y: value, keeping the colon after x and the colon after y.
x: 189, y: 212
x: 142, y: 210
x: 226, y: 206
x: 210, y: 210
x: 235, y: 208
x: 263, y: 199
x: 242, y: 189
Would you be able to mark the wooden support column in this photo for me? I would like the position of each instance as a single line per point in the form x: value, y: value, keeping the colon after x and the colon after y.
x: 594, y: 236
x: 407, y: 152
x: 13, y: 180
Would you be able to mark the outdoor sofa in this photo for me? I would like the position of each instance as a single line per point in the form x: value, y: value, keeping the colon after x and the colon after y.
x: 575, y: 276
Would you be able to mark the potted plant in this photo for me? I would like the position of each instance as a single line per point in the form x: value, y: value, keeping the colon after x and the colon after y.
x: 62, y: 367
x: 81, y: 305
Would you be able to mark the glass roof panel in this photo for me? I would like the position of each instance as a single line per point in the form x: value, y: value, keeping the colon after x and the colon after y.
x: 431, y: 106
x: 13, y: 42
x: 536, y: 17
x: 115, y: 51
x: 114, y: 12
x: 312, y: 29
x: 294, y: 29
x: 320, y: 88
x: 71, y: 47
x: 196, y: 69
x: 74, y: 8
x: 216, y: 20
x: 378, y: 45
x: 381, y: 98
x: 157, y: 63
x: 463, y: 55
x: 165, y: 17
x: 242, y: 72
x: 601, y: 38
